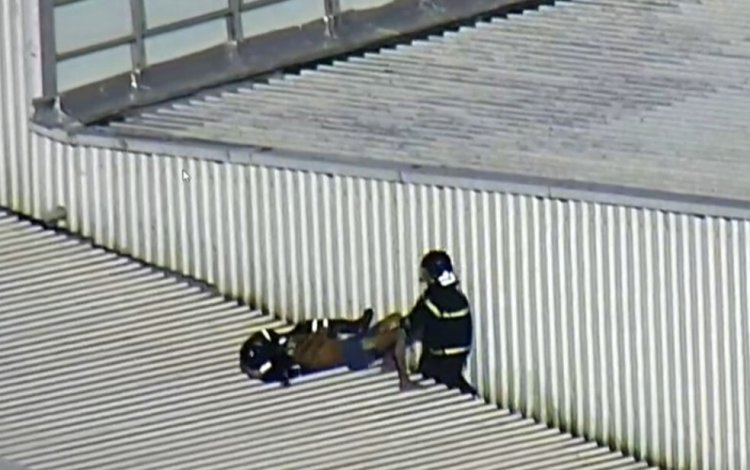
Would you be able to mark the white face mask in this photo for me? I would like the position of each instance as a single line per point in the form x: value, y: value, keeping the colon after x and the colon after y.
x: 447, y: 278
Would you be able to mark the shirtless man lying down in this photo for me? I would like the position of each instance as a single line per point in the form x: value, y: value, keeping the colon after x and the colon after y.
x: 316, y: 345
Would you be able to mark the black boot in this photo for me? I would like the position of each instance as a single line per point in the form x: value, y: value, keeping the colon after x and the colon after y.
x: 366, y: 319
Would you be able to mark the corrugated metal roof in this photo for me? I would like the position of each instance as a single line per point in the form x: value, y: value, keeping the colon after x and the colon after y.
x: 106, y: 363
x: 635, y: 93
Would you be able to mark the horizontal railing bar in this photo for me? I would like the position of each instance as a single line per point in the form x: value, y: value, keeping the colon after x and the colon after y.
x: 100, y: 46
x: 62, y: 3
x: 186, y: 23
x: 261, y: 4
x: 150, y: 32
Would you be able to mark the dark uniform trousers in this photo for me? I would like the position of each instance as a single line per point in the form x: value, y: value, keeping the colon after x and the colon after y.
x: 447, y: 370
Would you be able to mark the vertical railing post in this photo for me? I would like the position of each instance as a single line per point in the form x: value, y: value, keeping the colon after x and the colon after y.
x: 48, y: 50
x: 138, y: 46
x: 332, y: 9
x: 235, y: 33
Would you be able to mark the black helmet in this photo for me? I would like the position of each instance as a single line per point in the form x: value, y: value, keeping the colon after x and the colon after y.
x: 256, y: 350
x: 436, y: 266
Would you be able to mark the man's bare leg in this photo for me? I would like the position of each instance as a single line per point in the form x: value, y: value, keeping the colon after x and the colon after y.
x: 405, y: 383
x: 383, y: 343
x: 317, y: 351
x: 389, y: 362
x: 390, y: 342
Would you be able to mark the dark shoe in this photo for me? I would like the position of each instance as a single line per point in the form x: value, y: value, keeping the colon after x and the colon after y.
x: 366, y: 319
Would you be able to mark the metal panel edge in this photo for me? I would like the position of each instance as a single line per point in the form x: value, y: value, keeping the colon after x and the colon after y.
x: 388, y: 171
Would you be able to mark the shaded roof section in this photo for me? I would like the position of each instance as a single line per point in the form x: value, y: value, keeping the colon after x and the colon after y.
x: 106, y: 363
x: 648, y: 95
x: 252, y: 47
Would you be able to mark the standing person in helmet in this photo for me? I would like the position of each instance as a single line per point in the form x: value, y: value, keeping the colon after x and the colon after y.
x: 441, y: 320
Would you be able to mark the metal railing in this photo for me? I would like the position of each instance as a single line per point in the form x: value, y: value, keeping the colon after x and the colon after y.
x: 140, y: 32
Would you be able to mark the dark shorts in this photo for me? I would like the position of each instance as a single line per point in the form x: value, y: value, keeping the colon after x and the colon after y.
x: 355, y: 356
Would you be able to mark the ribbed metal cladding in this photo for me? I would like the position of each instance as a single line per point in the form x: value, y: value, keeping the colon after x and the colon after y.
x: 627, y: 325
x: 622, y: 324
x: 106, y: 363
x: 15, y: 183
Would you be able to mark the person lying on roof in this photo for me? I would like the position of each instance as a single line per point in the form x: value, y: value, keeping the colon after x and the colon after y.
x: 317, y: 345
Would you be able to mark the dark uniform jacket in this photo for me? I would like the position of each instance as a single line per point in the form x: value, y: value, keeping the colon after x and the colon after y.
x: 441, y: 319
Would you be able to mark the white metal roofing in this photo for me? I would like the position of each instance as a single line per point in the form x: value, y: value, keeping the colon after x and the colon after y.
x: 106, y: 363
x: 634, y: 93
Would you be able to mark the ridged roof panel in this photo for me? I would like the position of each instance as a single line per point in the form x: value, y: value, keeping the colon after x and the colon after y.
x: 643, y: 94
x: 106, y: 363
